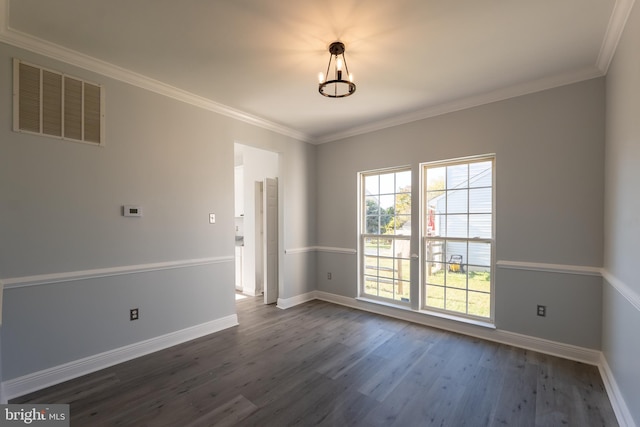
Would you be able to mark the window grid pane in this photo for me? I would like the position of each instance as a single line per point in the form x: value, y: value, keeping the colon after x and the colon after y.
x: 387, y: 273
x: 386, y: 223
x: 457, y: 250
x: 458, y: 238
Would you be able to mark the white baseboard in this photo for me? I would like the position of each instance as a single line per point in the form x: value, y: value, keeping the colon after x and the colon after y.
x: 615, y: 396
x: 566, y: 351
x: 38, y: 380
x: 284, y: 303
x: 20, y: 386
x: 553, y: 348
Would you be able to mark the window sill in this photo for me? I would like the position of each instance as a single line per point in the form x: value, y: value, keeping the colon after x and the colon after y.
x: 474, y: 322
x: 384, y: 303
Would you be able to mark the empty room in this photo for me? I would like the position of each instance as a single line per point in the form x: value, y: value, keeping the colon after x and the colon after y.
x: 320, y: 213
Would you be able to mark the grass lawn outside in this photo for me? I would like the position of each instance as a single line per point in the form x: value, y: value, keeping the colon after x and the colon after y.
x: 388, y: 275
x: 447, y: 290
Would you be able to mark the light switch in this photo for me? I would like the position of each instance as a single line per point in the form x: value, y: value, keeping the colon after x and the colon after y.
x: 212, y: 218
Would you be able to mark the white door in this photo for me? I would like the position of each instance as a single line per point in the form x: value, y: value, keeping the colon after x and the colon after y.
x: 270, y: 229
x: 259, y: 243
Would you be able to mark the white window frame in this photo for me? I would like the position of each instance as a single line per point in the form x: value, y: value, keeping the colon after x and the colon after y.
x: 424, y: 238
x: 362, y: 236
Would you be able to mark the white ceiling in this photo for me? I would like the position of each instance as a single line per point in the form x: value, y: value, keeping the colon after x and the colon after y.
x: 259, y: 59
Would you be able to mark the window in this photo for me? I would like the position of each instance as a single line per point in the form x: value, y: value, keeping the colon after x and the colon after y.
x: 53, y: 104
x: 458, y: 237
x: 385, y: 227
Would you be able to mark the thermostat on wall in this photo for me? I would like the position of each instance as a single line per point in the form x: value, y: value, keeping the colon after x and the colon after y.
x: 132, y: 210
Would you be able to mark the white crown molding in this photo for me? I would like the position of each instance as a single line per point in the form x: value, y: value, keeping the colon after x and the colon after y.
x: 60, y: 53
x: 46, y: 279
x: 550, y: 268
x: 38, y: 380
x: 617, y: 22
x: 468, y: 102
x: 623, y: 289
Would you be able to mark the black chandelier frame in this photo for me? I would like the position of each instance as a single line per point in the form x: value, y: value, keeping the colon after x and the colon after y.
x: 336, y: 49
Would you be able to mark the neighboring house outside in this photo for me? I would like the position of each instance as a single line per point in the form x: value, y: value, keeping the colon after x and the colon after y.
x: 445, y: 218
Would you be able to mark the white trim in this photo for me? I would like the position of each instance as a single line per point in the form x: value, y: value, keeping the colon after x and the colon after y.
x: 251, y: 292
x: 300, y: 250
x: 16, y: 94
x: 61, y: 53
x: 553, y: 348
x: 626, y: 291
x: 616, y: 25
x: 541, y: 345
x: 433, y: 313
x: 617, y: 22
x: 540, y: 85
x: 550, y: 268
x: 285, y: 303
x: 330, y: 249
x: 57, y: 374
x: 46, y: 279
x: 616, y: 398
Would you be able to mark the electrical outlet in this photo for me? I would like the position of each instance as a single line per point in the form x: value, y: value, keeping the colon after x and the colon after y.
x: 328, y: 276
x: 134, y: 314
x: 542, y: 310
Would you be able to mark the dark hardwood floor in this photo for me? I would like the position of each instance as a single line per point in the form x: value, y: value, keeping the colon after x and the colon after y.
x: 323, y: 364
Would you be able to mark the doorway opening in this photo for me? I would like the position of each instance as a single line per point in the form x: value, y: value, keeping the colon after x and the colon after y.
x: 256, y: 222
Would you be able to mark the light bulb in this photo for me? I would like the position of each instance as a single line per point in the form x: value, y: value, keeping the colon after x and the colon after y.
x: 320, y: 77
x: 339, y: 64
x: 351, y: 77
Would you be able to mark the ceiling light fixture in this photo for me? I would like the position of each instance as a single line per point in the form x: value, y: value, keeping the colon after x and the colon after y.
x: 337, y: 87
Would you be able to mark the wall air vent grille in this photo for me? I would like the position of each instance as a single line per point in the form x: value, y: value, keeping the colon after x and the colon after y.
x: 50, y: 103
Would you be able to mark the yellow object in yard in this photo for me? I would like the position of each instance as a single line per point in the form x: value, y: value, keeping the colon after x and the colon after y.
x: 455, y: 264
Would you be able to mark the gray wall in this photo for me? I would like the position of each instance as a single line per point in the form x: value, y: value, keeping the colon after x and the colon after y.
x: 60, y: 210
x: 60, y: 213
x: 621, y: 308
x: 549, y: 150
x: 298, y: 270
